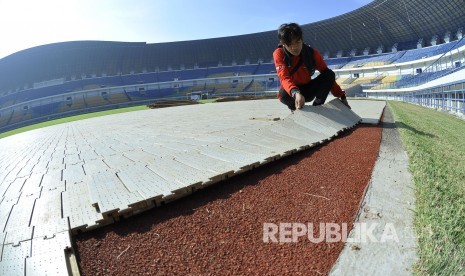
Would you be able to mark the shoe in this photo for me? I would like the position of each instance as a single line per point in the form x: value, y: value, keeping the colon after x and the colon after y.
x: 318, y: 102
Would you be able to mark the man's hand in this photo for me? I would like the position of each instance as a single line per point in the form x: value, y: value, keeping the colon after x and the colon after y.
x: 299, y: 100
x: 344, y: 101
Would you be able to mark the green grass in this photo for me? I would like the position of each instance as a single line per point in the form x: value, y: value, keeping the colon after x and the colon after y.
x: 71, y: 119
x: 435, y: 144
x: 207, y: 101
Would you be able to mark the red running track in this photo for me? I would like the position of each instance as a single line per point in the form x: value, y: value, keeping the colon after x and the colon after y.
x: 219, y: 230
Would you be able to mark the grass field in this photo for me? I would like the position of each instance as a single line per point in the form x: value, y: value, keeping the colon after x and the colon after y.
x: 435, y: 144
x: 207, y: 101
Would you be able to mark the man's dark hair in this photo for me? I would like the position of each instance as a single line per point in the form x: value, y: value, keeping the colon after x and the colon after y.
x: 289, y: 32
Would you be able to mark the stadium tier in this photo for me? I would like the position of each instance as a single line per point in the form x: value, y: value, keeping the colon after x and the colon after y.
x: 362, y: 46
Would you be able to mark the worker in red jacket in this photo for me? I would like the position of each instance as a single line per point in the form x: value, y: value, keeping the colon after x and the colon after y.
x: 295, y: 64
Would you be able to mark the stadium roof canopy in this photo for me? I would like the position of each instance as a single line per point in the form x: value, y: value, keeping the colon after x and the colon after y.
x: 379, y: 23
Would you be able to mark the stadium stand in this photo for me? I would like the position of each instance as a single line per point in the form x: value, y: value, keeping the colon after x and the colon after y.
x: 79, y: 75
x: 417, y: 54
x: 375, y: 60
x: 265, y: 68
x: 337, y: 63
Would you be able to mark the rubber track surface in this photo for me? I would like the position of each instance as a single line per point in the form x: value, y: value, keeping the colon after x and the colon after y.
x: 219, y: 230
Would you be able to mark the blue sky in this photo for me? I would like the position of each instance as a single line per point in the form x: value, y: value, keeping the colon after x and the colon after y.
x: 29, y: 23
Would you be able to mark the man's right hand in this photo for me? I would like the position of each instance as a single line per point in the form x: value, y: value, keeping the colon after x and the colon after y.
x: 299, y: 100
x: 344, y: 101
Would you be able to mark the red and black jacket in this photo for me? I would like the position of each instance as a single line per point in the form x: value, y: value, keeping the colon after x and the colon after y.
x: 303, y: 74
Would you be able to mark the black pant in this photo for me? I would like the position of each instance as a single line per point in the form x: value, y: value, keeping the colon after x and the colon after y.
x: 318, y: 88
